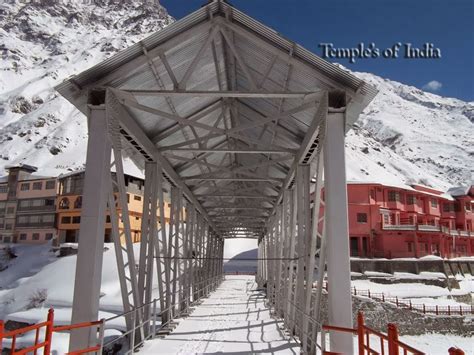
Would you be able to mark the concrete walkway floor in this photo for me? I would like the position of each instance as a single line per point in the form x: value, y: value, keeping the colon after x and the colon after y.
x: 233, y: 320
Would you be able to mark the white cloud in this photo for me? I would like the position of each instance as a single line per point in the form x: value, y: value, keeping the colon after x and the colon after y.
x: 433, y: 85
x: 233, y: 247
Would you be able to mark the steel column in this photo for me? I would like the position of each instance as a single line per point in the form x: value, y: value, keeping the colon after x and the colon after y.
x: 91, y: 241
x: 338, y: 258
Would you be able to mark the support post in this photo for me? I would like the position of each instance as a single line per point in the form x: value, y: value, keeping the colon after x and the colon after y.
x: 338, y: 259
x: 91, y: 234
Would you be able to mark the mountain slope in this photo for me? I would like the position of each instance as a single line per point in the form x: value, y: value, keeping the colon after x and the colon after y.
x: 41, y: 44
x: 404, y: 134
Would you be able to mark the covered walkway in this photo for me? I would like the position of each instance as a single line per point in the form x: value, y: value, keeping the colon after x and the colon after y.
x: 233, y: 320
x: 233, y: 126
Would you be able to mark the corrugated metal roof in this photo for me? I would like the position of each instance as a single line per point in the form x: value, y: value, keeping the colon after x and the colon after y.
x: 244, y: 56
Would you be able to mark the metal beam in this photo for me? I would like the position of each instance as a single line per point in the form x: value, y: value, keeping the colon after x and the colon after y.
x: 230, y: 150
x: 305, y: 95
x: 128, y: 124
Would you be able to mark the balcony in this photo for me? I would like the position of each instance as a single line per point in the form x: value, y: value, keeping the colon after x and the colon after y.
x: 35, y: 225
x: 44, y: 208
x: 465, y: 233
x: 399, y: 227
x: 428, y: 228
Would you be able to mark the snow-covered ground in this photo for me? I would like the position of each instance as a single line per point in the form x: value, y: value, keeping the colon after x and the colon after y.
x: 233, y: 320
x: 38, y: 279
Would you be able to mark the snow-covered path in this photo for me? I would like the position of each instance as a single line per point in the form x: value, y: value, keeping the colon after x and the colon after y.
x: 233, y: 320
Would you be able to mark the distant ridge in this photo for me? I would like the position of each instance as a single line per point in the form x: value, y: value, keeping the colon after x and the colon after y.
x: 241, y: 262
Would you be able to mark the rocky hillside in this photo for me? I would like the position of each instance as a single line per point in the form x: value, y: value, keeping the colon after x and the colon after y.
x: 40, y: 45
x: 405, y: 134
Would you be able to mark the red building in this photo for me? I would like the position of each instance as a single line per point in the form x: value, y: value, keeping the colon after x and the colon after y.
x: 410, y: 221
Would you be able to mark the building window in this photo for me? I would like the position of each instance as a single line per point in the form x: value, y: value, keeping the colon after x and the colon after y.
x: 468, y: 206
x: 64, y: 204
x: 10, y: 210
x: 362, y: 217
x: 48, y: 218
x: 372, y: 194
x: 6, y: 239
x: 50, y: 184
x: 78, y: 202
x: 49, y: 236
x: 49, y: 202
x: 36, y: 236
x: 434, y: 203
x: 448, y: 207
x: 37, y: 185
x: 66, y: 220
x: 410, y: 246
x: 22, y: 219
x: 3, y: 189
x: 137, y: 198
x: 393, y: 196
x: 23, y: 236
x: 24, y: 187
x: 76, y: 219
x: 107, y: 219
x: 411, y: 199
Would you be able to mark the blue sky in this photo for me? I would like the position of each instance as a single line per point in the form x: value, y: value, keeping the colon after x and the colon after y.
x: 448, y: 24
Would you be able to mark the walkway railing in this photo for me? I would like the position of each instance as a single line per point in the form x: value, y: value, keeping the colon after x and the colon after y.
x: 45, y: 343
x: 149, y: 325
x: 372, y: 342
x: 418, y: 307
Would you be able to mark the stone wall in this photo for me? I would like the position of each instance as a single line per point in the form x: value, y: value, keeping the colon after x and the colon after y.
x: 378, y: 314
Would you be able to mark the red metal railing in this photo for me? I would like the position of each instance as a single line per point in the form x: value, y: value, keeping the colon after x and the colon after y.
x: 387, y: 343
x: 45, y: 344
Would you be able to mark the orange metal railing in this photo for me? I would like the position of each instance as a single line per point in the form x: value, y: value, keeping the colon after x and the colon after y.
x: 387, y: 343
x: 45, y: 343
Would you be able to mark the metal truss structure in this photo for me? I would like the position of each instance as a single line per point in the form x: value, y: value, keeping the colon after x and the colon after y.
x: 233, y: 126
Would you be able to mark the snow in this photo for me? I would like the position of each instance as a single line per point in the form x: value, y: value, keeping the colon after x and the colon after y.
x: 406, y: 290
x: 36, y: 269
x: 234, y: 319
x: 438, y: 344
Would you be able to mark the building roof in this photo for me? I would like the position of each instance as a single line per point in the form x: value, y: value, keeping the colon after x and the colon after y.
x: 25, y: 167
x: 460, y: 190
x: 406, y: 187
x: 223, y: 102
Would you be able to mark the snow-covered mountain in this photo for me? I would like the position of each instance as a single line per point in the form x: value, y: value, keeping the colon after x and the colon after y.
x: 405, y: 133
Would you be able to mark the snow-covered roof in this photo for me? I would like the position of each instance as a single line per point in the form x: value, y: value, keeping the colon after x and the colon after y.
x: 459, y: 191
x: 403, y: 186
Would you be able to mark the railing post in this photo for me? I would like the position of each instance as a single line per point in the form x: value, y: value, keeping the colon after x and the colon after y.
x: 449, y: 310
x: 392, y: 339
x: 101, y: 335
x: 49, y: 332
x: 360, y: 332
x: 396, y: 300
x: 154, y: 319
x: 132, y: 335
x: 460, y: 311
x: 1, y: 333
x: 437, y: 310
